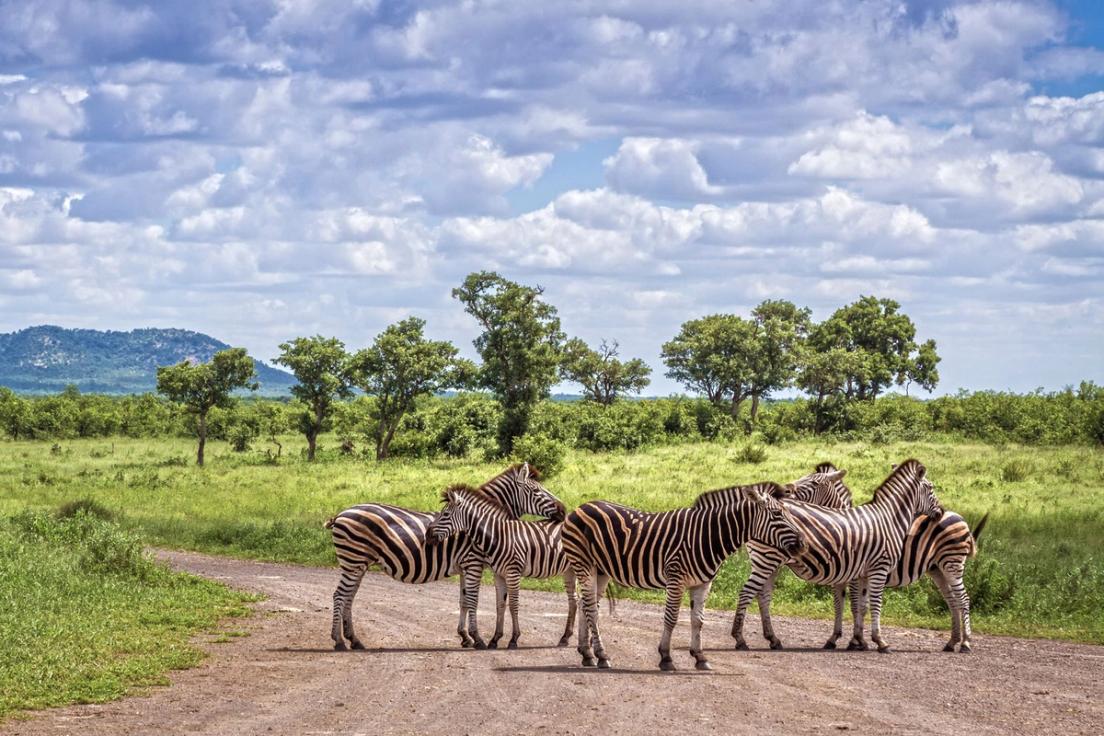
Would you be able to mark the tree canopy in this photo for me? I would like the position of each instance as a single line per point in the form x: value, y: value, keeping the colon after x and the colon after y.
x: 600, y: 373
x: 320, y: 365
x: 520, y: 345
x: 199, y: 387
x: 400, y: 366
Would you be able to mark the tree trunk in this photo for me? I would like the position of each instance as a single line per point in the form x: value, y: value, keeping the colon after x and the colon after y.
x: 754, y: 408
x: 737, y: 401
x: 202, y: 438
x: 383, y: 442
x: 312, y: 441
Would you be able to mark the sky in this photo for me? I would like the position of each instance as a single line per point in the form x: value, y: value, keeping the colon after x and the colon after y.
x: 263, y: 170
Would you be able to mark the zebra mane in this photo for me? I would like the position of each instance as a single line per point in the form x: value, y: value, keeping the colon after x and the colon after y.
x: 825, y: 467
x: 905, y: 467
x: 533, y: 472
x: 720, y: 495
x: 472, y: 492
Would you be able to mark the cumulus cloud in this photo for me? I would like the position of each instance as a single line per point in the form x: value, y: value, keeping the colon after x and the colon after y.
x: 265, y: 169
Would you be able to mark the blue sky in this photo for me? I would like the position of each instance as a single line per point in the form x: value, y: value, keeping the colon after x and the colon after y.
x: 259, y: 171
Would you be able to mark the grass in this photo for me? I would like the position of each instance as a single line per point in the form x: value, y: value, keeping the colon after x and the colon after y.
x: 85, y: 617
x: 1040, y: 572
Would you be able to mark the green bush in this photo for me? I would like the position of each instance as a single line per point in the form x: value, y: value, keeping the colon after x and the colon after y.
x: 543, y: 453
x: 752, y: 454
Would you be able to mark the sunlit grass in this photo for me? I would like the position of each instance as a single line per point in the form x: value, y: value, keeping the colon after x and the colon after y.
x: 1040, y: 573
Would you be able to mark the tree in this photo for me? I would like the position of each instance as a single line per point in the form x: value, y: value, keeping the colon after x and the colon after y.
x: 602, y: 376
x: 400, y: 367
x: 884, y: 337
x: 320, y: 364
x: 824, y: 376
x: 14, y: 413
x: 710, y: 356
x: 520, y: 346
x: 921, y: 369
x: 200, y: 387
x: 780, y: 331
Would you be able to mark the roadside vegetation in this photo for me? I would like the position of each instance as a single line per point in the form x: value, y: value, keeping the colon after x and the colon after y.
x: 86, y: 616
x: 1040, y: 571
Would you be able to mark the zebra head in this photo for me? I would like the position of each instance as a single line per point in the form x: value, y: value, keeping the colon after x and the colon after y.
x: 458, y: 515
x: 519, y: 489
x: 910, y: 478
x: 770, y: 522
x: 824, y: 487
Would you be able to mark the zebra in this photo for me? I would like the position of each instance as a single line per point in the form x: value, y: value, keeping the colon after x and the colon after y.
x: 673, y: 551
x: 936, y: 548
x: 394, y: 537
x: 512, y: 548
x: 845, y: 545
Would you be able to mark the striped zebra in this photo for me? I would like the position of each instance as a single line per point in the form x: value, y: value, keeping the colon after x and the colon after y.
x: 394, y: 538
x: 844, y: 545
x: 672, y: 551
x: 512, y: 548
x: 936, y: 548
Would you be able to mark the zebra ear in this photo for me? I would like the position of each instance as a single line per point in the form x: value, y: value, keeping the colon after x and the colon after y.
x: 837, y: 475
x: 756, y: 496
x: 523, y: 473
x: 780, y: 492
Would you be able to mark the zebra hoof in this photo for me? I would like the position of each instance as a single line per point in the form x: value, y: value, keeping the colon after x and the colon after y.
x: 965, y: 648
x: 742, y: 646
x: 590, y: 662
x: 949, y: 647
x: 357, y: 644
x: 856, y: 645
x: 884, y: 649
x: 466, y: 643
x: 829, y: 644
x: 604, y: 664
x: 480, y: 644
x: 339, y: 646
x: 564, y: 641
x: 492, y: 644
x: 667, y: 665
x: 703, y: 665
x: 776, y: 644
x: 512, y: 644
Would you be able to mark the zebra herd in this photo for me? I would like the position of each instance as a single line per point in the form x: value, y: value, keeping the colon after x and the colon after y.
x: 809, y: 525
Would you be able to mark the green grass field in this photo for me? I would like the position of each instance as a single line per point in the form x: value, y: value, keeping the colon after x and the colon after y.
x: 1040, y: 571
x: 85, y: 616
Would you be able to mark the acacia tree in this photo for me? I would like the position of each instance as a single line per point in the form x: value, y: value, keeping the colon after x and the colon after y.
x: 400, y: 367
x: 200, y: 387
x: 921, y: 369
x: 710, y: 356
x: 884, y: 339
x: 781, y: 328
x: 320, y: 364
x: 602, y: 376
x: 520, y: 346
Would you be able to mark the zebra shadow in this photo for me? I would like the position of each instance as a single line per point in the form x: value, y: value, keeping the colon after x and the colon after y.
x: 569, y: 669
x: 369, y: 650
x: 812, y: 650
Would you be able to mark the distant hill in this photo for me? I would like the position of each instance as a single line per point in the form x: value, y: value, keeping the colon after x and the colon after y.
x: 45, y: 359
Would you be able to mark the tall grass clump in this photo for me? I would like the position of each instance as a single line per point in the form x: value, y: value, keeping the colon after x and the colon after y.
x: 86, y: 615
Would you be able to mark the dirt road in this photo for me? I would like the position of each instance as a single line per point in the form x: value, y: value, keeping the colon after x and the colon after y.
x: 285, y: 678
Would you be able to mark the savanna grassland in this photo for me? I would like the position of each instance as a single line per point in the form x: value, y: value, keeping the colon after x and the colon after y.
x: 1040, y: 571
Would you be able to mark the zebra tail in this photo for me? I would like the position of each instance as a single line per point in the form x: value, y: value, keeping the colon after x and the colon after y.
x: 978, y: 530
x: 330, y: 522
x: 611, y: 597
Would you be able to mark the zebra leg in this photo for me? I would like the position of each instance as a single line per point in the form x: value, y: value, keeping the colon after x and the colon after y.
x: 764, y: 611
x: 588, y: 622
x: 470, y: 580
x: 940, y: 581
x: 761, y: 570
x: 500, y: 610
x: 837, y: 629
x: 513, y: 589
x: 857, y: 592
x: 572, y: 607
x: 957, y: 593
x: 343, y: 596
x: 698, y: 594
x: 876, y: 589
x: 670, y: 619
